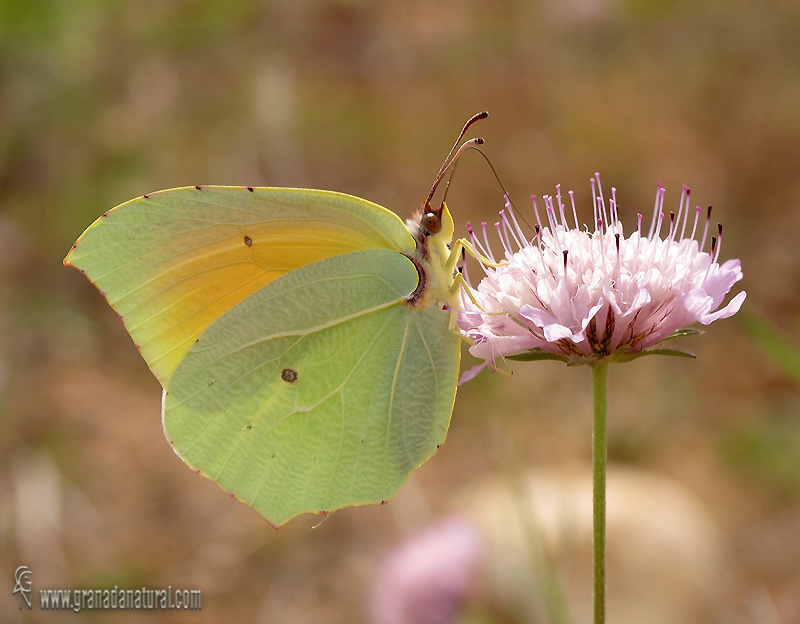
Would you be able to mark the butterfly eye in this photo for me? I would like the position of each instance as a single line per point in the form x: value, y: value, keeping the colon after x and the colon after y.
x: 431, y: 223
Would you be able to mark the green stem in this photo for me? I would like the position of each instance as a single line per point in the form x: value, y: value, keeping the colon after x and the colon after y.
x: 599, y: 456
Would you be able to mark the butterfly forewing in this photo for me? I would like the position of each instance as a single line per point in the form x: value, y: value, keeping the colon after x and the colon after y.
x: 172, y: 262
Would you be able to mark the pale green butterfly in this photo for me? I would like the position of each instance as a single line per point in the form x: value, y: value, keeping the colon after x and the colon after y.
x: 304, y: 339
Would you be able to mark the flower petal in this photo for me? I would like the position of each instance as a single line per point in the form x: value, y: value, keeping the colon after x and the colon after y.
x: 553, y: 330
x: 729, y: 310
x: 471, y: 373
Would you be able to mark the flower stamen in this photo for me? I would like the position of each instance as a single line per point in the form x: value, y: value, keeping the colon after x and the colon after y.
x: 686, y: 211
x: 507, y: 228
x: 477, y: 247
x: 719, y: 242
x: 561, y: 206
x: 488, y: 247
x: 536, y: 210
x: 600, y: 198
x: 696, y: 217
x: 510, y: 208
x: 705, y: 229
x: 656, y: 210
x: 574, y: 212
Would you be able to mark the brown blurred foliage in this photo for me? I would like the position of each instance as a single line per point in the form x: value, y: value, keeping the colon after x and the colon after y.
x: 104, y: 100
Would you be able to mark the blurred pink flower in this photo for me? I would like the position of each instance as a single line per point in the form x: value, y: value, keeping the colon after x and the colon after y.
x: 430, y: 577
x: 570, y: 294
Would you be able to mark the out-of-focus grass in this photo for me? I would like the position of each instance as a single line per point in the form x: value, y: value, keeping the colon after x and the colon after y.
x: 776, y: 345
x: 766, y: 452
x: 766, y: 449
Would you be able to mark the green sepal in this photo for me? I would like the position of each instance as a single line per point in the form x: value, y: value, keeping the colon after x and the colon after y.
x: 686, y: 331
x: 535, y: 355
x: 659, y: 351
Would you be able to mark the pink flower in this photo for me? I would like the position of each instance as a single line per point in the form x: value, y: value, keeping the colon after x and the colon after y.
x: 431, y: 576
x: 569, y: 294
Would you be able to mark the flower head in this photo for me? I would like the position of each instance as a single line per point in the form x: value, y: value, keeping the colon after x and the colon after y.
x: 431, y: 576
x: 571, y: 294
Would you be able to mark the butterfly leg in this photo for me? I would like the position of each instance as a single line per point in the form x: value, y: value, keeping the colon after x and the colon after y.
x: 459, y: 281
x: 461, y: 245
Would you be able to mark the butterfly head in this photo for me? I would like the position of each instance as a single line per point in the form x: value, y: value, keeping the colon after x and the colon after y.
x: 431, y: 223
x: 430, y: 219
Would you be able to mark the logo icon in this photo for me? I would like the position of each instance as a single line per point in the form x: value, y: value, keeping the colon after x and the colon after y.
x: 22, y: 578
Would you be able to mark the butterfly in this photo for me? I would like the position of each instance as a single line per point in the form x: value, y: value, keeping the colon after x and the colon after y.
x: 304, y: 339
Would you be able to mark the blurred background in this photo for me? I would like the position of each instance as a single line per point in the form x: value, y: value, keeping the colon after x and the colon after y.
x: 104, y: 100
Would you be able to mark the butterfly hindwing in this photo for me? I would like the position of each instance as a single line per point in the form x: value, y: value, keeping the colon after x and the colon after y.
x: 323, y: 389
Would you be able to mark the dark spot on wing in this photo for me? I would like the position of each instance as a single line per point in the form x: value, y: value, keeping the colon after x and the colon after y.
x: 145, y: 197
x: 250, y: 188
x: 198, y: 188
x: 249, y: 427
x: 289, y: 375
x: 248, y: 241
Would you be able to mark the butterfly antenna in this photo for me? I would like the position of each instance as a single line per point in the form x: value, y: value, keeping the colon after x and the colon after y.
x: 450, y: 179
x: 455, y: 152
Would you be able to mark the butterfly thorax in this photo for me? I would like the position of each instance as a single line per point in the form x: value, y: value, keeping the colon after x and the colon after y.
x: 431, y: 259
